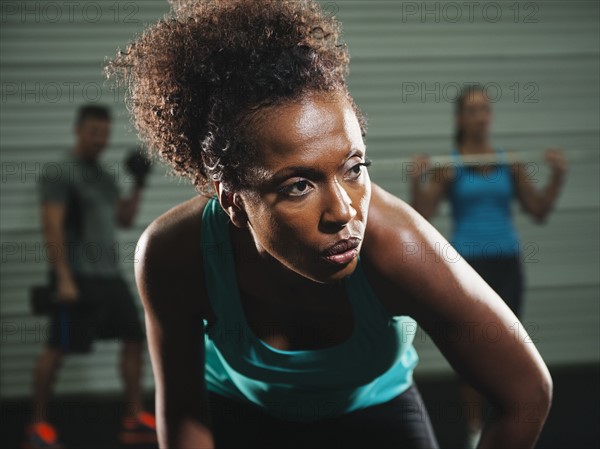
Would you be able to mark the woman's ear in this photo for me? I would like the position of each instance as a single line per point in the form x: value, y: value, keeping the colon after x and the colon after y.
x: 232, y: 203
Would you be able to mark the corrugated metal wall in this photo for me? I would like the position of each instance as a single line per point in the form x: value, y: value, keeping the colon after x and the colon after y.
x: 538, y: 59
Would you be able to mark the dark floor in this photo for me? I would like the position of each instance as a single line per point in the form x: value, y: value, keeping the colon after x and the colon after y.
x: 93, y: 422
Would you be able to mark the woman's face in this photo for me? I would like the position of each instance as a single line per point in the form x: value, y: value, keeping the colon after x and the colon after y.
x: 311, y: 190
x: 476, y: 115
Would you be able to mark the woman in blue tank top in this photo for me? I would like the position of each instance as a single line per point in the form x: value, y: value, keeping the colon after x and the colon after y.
x: 481, y: 197
x: 282, y: 303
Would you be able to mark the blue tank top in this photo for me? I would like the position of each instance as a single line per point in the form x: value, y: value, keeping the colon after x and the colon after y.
x: 481, y: 211
x: 373, y: 366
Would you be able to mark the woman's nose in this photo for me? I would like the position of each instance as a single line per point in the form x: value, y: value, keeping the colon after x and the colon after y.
x: 337, y: 210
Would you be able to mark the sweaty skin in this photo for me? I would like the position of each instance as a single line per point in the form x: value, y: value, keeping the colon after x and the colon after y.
x: 279, y: 229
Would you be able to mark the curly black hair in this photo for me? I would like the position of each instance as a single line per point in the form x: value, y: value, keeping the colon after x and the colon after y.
x: 196, y: 79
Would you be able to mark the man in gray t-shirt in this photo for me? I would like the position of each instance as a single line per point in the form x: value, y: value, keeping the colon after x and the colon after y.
x: 81, y: 208
x: 91, y: 196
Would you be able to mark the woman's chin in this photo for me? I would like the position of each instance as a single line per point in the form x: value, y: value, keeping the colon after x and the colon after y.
x: 328, y: 273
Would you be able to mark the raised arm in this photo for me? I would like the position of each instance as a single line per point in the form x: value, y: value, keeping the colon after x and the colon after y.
x: 426, y: 196
x: 539, y: 203
x: 127, y: 208
x: 166, y: 269
x: 138, y: 166
x: 473, y: 328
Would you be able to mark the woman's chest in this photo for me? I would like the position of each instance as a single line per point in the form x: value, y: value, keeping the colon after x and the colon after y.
x: 297, y: 322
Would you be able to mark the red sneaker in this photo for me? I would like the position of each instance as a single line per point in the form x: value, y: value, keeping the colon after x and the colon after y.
x: 140, y: 429
x: 41, y: 435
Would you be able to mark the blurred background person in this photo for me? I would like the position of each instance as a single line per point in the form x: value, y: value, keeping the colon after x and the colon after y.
x: 81, y: 209
x: 481, y: 195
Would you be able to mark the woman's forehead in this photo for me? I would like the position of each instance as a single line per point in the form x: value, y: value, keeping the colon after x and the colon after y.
x: 476, y: 98
x: 311, y: 127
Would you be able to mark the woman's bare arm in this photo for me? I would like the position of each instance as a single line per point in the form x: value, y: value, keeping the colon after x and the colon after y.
x: 167, y: 274
x: 447, y: 298
x: 539, y: 203
x: 427, y: 196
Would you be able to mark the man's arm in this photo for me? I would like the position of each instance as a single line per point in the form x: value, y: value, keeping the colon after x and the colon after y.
x: 53, y: 216
x: 127, y: 208
x: 447, y: 297
x: 54, y: 198
x: 138, y: 166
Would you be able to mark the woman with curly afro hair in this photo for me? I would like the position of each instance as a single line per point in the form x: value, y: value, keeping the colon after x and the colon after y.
x: 282, y: 300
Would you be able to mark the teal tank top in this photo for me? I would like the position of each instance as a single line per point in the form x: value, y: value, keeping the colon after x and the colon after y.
x: 373, y: 366
x: 481, y: 211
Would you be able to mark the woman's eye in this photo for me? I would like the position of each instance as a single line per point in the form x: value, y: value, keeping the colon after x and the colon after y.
x: 356, y: 170
x: 296, y: 189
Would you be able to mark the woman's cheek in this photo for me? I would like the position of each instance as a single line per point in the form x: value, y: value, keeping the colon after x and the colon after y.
x: 291, y: 235
x: 365, y: 201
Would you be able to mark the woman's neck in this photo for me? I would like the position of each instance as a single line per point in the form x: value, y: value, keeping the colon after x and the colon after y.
x: 261, y: 276
x: 475, y: 146
x: 263, y: 267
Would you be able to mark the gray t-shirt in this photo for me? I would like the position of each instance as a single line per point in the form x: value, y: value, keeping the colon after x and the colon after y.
x: 90, y: 193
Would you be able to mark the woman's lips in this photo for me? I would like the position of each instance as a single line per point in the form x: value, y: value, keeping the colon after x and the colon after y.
x: 343, y: 251
x: 342, y: 258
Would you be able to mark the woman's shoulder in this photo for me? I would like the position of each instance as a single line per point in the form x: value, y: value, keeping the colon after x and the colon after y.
x: 172, y: 235
x: 402, y: 251
x: 391, y: 230
x: 388, y: 213
x: 169, y: 262
x: 397, y: 236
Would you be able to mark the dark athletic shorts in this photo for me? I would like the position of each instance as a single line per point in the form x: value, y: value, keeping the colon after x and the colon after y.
x: 105, y: 310
x: 505, y: 275
x: 402, y: 422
